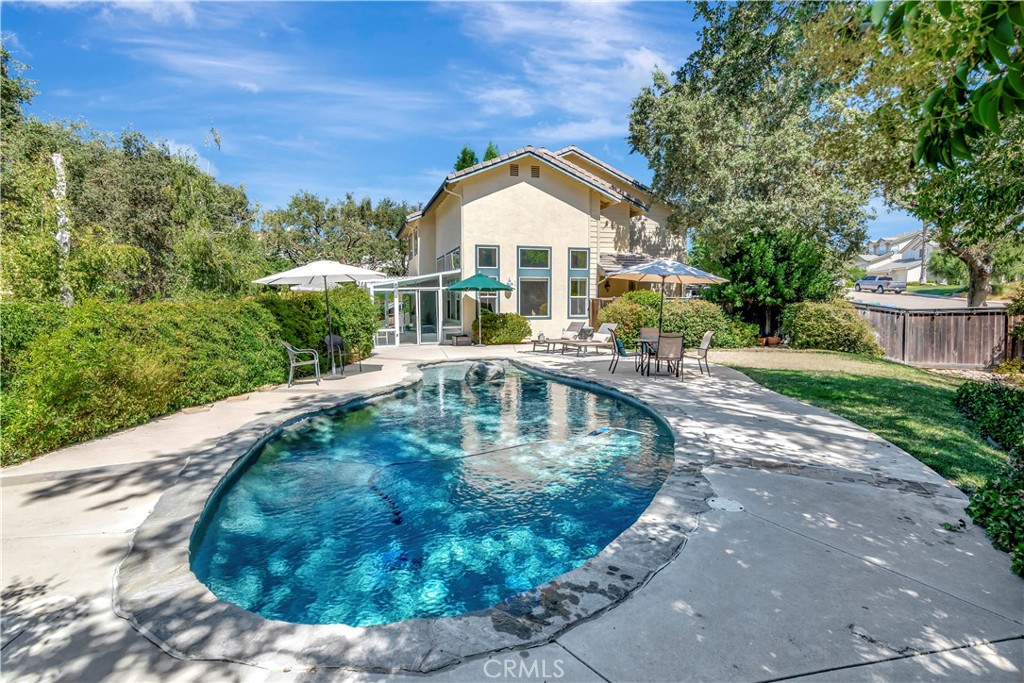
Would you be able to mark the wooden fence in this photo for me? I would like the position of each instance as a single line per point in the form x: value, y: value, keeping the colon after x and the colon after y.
x: 595, y: 307
x: 972, y: 338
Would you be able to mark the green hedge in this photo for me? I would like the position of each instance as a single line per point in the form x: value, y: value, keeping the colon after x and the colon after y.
x: 830, y: 326
x: 20, y: 323
x: 302, y: 317
x: 998, y: 411
x: 998, y: 506
x: 502, y: 328
x: 116, y: 365
x: 691, y: 317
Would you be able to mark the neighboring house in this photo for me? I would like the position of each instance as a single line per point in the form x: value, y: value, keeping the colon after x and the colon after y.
x: 900, y: 256
x: 553, y: 224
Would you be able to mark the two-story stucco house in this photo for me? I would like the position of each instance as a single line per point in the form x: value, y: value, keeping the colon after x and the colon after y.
x: 552, y: 224
x: 902, y: 257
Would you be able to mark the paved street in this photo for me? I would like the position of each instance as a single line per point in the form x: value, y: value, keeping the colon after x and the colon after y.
x: 912, y: 301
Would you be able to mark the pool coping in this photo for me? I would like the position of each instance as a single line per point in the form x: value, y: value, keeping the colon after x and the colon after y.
x: 155, y: 590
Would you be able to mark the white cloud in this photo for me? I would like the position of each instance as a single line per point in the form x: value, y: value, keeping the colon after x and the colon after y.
x: 160, y: 11
x: 505, y: 100
x: 581, y: 63
x: 591, y: 129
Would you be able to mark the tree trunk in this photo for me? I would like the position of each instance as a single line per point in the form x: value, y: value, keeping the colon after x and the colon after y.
x: 979, y: 287
x: 979, y: 262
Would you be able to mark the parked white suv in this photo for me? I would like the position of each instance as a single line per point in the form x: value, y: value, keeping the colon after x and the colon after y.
x: 880, y: 284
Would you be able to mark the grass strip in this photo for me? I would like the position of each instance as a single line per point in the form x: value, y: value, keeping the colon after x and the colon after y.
x: 909, y: 407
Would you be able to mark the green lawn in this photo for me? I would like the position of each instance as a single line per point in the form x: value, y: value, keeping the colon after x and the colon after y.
x: 911, y: 408
x: 941, y: 290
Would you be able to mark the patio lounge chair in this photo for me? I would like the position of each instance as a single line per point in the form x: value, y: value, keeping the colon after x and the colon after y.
x: 619, y: 350
x: 669, y: 351
x: 569, y: 333
x: 293, y: 362
x: 599, y: 340
x: 702, y: 352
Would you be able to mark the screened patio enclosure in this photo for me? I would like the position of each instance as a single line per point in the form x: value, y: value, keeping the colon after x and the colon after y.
x: 417, y: 309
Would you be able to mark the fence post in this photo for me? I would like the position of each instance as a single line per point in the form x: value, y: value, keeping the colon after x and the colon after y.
x: 903, y: 345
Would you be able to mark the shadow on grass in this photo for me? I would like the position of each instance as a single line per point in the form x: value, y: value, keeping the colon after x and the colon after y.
x: 915, y: 414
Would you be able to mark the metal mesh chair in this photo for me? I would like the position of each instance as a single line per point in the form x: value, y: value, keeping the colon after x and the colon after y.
x: 669, y: 351
x: 619, y: 350
x: 335, y: 343
x: 701, y: 354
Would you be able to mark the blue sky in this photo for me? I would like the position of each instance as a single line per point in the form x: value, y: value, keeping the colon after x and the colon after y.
x: 370, y: 98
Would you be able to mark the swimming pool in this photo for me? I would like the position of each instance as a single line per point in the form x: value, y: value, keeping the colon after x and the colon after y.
x: 443, y: 501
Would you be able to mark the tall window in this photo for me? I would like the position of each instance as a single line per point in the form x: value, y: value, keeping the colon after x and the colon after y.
x: 489, y: 301
x: 578, y: 297
x: 534, y: 297
x: 579, y: 283
x: 535, y: 282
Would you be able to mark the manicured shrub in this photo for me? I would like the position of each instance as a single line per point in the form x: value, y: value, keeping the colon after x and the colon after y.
x: 998, y: 506
x: 830, y: 326
x: 502, y: 328
x: 998, y: 411
x: 630, y: 316
x: 644, y: 297
x: 692, y: 318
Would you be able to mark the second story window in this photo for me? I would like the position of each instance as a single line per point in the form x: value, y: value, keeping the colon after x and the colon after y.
x: 486, y: 257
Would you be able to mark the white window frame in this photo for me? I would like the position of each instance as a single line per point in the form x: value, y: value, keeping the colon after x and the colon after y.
x: 493, y: 249
x: 546, y: 250
x: 585, y: 297
x: 547, y: 282
x: 586, y: 266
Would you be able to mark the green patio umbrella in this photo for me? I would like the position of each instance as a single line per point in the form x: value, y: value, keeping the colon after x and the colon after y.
x: 479, y: 283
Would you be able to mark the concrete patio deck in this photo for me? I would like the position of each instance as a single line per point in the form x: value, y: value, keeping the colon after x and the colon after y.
x: 826, y: 556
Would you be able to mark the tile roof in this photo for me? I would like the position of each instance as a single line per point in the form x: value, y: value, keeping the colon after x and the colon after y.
x: 573, y: 149
x: 552, y: 159
x: 613, y: 262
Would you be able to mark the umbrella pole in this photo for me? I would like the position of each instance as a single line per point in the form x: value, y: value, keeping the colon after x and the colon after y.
x: 330, y: 329
x: 479, y: 321
x: 661, y: 308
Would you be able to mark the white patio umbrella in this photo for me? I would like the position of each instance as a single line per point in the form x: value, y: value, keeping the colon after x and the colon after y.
x: 329, y: 273
x: 666, y: 270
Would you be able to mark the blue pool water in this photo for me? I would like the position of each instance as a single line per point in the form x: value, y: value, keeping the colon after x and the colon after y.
x: 302, y: 536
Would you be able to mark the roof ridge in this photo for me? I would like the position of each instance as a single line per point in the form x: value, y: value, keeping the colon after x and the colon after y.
x: 575, y: 149
x: 490, y: 162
